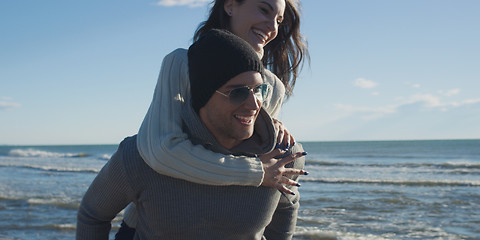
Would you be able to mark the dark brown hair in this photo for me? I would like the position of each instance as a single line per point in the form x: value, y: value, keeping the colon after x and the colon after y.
x: 284, y: 55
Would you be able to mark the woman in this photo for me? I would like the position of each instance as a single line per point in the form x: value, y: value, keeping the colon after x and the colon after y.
x: 271, y: 27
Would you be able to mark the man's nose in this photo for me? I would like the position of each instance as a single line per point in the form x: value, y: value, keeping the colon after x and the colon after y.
x: 252, y: 102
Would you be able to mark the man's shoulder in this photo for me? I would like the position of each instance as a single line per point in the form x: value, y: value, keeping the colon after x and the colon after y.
x: 136, y: 169
x: 128, y: 150
x: 128, y: 143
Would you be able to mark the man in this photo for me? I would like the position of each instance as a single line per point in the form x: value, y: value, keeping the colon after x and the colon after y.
x: 225, y: 116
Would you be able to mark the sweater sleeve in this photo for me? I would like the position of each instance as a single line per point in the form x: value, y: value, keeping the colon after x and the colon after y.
x: 284, y: 219
x: 166, y: 148
x: 108, y: 194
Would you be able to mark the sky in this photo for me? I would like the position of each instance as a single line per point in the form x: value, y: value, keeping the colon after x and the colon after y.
x: 83, y: 72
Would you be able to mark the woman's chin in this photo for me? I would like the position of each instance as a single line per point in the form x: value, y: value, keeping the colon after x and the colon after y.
x: 259, y: 52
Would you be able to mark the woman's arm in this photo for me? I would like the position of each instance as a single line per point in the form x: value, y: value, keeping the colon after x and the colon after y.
x: 166, y: 148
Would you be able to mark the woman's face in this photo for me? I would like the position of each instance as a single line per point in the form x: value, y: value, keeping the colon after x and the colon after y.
x: 255, y: 21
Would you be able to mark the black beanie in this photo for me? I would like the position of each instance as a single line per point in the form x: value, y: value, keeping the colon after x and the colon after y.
x: 214, y: 59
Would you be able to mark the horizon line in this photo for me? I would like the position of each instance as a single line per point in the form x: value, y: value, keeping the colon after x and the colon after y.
x: 308, y: 141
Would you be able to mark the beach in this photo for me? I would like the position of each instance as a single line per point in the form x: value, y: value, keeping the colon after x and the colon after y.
x: 355, y: 190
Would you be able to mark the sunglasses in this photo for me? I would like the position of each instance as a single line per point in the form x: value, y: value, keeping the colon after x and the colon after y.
x: 238, y: 95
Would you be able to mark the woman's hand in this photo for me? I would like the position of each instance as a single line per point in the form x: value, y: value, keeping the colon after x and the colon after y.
x: 275, y: 171
x: 284, y: 138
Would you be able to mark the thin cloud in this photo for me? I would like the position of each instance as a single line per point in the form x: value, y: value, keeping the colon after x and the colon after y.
x: 368, y: 113
x: 431, y: 101
x: 427, y: 101
x: 471, y: 101
x: 5, y: 105
x: 450, y: 92
x: 364, y: 83
x: 189, y: 3
x: 462, y: 103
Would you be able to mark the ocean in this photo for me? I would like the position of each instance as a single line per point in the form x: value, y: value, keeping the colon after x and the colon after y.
x: 355, y: 190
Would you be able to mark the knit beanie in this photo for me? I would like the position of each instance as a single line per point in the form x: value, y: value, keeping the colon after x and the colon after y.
x: 214, y: 59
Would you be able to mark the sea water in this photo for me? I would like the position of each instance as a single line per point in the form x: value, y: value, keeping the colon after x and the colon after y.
x: 355, y: 190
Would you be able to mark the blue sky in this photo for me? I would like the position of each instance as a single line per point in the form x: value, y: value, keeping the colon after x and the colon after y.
x: 83, y: 72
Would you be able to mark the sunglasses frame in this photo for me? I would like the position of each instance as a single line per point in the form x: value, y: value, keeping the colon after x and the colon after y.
x: 250, y: 89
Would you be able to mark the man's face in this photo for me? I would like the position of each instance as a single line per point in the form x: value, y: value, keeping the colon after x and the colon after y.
x: 230, y: 123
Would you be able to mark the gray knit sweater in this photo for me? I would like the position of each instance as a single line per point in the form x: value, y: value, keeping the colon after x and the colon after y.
x: 170, y: 208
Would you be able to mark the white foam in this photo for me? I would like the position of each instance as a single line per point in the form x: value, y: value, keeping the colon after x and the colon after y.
x: 37, y: 166
x: 54, y: 164
x: 30, y: 152
x: 408, y: 182
x: 106, y: 156
x: 65, y: 226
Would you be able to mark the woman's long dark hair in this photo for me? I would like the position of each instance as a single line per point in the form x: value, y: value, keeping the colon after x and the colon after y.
x: 284, y: 55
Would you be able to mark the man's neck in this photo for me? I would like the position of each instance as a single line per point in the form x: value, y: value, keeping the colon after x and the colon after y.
x: 229, y: 144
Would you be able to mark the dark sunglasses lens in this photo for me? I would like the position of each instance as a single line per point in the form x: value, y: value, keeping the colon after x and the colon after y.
x: 239, y: 95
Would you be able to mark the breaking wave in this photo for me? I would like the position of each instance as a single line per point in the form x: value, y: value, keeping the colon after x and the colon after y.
x: 30, y: 152
x: 401, y: 182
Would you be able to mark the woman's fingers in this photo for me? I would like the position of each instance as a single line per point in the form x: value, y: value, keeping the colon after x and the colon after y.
x: 284, y: 189
x: 293, y: 171
x: 280, y: 138
x: 267, y: 158
x: 275, y: 172
x: 290, y: 158
x: 288, y: 181
x: 284, y: 139
x: 288, y: 140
